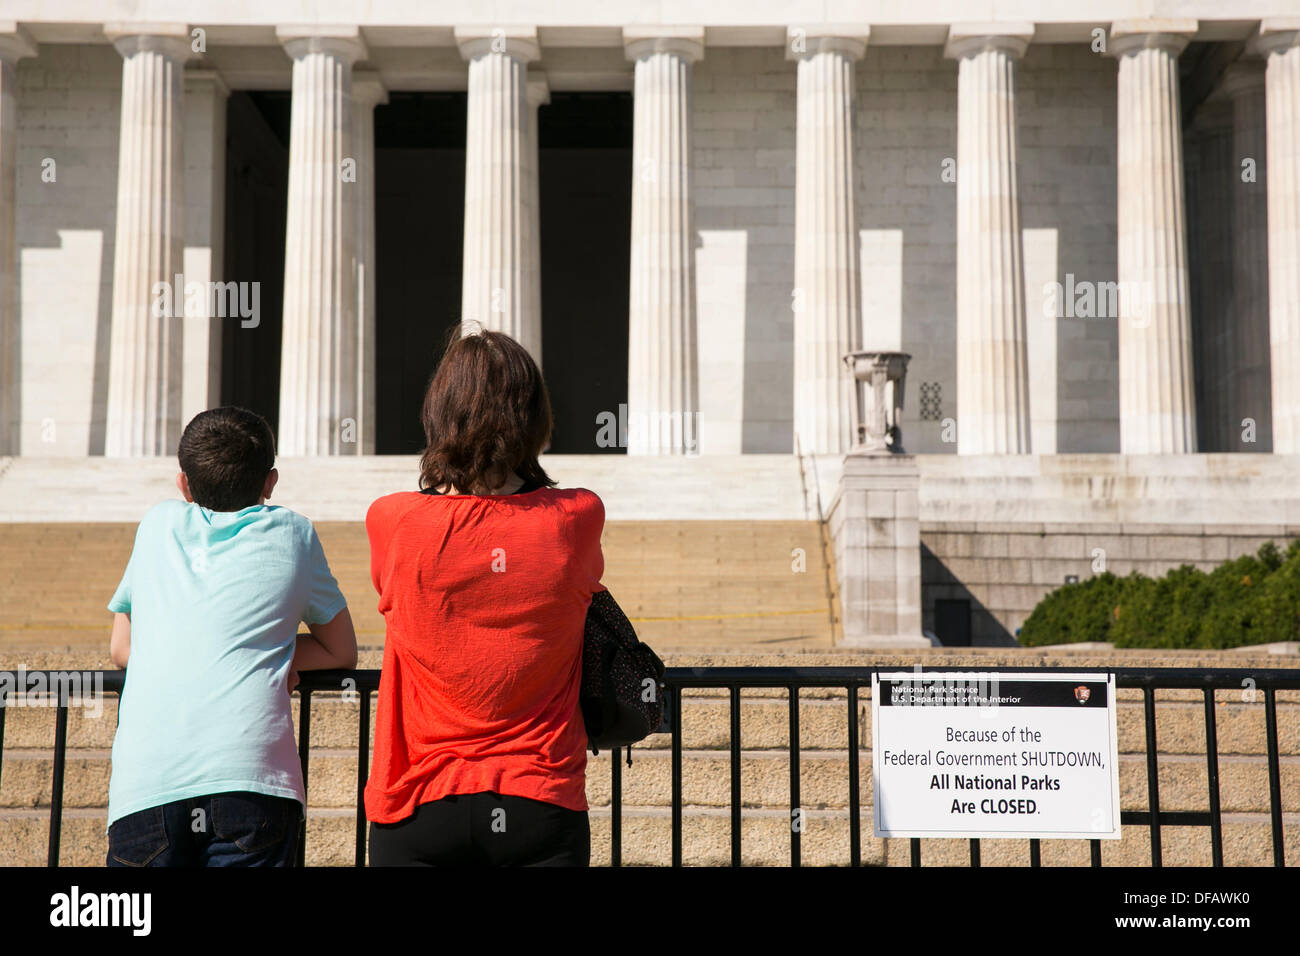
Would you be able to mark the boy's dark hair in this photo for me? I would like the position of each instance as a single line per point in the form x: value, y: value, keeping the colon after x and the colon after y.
x: 226, y: 454
x: 486, y: 414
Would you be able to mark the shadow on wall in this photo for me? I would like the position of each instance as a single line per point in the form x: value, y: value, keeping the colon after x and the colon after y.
x: 950, y: 611
x: 743, y: 165
x: 1066, y: 129
x: 906, y: 137
x: 65, y: 224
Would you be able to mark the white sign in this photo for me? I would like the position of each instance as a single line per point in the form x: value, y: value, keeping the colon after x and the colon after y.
x: 965, y: 754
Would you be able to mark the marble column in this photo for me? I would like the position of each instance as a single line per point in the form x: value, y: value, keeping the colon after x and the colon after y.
x: 663, y: 377
x: 367, y: 93
x: 494, y: 289
x: 539, y: 92
x: 1209, y: 251
x: 1279, y: 43
x: 206, y: 96
x: 992, y: 351
x: 1243, y: 84
x: 318, y: 365
x: 826, y: 301
x: 15, y: 43
x: 143, y: 416
x: 1157, y: 405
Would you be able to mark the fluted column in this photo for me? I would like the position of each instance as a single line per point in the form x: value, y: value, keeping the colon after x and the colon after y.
x: 1279, y: 43
x: 826, y: 302
x: 143, y: 416
x: 663, y: 377
x: 1243, y: 83
x: 1157, y: 405
x: 992, y: 350
x: 494, y: 289
x: 15, y: 43
x: 539, y: 92
x: 206, y: 96
x: 1211, y: 193
x: 367, y: 93
x: 318, y: 365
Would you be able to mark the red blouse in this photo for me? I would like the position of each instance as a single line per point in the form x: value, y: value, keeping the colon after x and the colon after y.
x: 485, y: 599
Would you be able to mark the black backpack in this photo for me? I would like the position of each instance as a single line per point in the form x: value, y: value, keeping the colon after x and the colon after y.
x: 622, y: 688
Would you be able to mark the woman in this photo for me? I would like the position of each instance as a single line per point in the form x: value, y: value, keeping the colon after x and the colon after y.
x: 484, y: 578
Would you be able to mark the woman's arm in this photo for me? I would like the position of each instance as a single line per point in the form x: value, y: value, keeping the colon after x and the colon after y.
x: 119, y: 645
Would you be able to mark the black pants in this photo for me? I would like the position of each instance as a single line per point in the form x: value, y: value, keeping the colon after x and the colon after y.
x: 484, y: 829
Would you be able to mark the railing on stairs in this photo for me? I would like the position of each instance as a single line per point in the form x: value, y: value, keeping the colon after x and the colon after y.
x: 852, y: 680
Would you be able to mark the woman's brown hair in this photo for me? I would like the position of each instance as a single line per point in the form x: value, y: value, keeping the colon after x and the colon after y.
x: 486, y: 413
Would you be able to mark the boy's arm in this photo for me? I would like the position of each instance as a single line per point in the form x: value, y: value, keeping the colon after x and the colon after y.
x: 119, y: 645
x: 329, y: 646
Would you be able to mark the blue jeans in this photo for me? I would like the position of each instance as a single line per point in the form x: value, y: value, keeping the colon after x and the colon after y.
x: 223, y: 829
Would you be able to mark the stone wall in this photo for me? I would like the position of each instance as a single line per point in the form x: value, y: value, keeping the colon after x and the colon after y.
x: 907, y: 130
x: 68, y: 126
x: 1004, y: 570
x: 68, y: 100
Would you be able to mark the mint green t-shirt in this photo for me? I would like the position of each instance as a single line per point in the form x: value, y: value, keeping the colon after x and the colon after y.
x: 215, y: 599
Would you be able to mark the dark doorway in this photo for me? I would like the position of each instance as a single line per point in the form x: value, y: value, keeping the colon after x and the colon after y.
x: 419, y: 231
x: 257, y: 202
x: 585, y: 147
x: 952, y: 622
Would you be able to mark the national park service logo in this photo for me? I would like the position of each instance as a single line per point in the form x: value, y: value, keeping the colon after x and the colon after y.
x: 1082, y: 693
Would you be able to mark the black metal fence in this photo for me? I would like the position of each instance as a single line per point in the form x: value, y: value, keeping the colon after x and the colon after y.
x: 793, y: 680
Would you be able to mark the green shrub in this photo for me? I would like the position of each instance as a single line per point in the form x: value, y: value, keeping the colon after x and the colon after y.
x: 1074, y: 613
x: 1278, y: 601
x: 1253, y: 599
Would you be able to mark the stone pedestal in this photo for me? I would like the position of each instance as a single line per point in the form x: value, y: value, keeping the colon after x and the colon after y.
x: 876, y: 530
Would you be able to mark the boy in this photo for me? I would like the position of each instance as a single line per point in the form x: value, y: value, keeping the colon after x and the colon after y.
x: 205, y: 769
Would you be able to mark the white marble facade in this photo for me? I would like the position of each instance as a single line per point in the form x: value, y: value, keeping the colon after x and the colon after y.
x: 1003, y: 200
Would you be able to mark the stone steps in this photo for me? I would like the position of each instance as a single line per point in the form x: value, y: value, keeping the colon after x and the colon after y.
x: 823, y: 724
x: 706, y: 780
x: 27, y: 764
x: 721, y: 583
x: 706, y: 841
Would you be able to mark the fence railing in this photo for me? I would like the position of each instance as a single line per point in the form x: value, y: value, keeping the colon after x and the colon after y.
x: 793, y: 680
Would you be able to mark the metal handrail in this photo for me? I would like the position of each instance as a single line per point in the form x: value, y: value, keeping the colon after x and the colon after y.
x: 793, y: 680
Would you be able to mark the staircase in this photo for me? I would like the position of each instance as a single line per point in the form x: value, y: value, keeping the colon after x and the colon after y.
x: 702, y: 591
x: 716, y: 584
